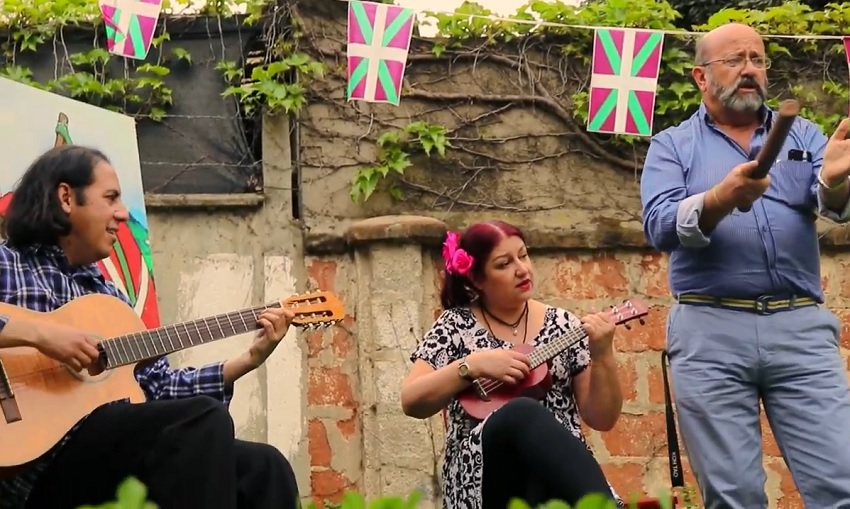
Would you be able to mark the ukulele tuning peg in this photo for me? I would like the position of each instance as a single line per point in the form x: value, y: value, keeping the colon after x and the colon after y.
x: 642, y: 321
x: 627, y: 326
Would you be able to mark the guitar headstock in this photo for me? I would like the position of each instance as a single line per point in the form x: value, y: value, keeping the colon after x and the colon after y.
x: 315, y: 310
x: 628, y: 310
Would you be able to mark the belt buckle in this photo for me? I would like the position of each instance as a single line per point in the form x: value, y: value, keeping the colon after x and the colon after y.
x: 761, y: 304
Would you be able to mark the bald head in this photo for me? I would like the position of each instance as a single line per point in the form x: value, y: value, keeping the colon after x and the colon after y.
x: 709, y: 46
x: 730, y: 71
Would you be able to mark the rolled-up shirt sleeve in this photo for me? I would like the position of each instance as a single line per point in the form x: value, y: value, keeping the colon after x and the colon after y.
x: 687, y: 222
x: 842, y: 217
x: 816, y: 144
x: 670, y: 217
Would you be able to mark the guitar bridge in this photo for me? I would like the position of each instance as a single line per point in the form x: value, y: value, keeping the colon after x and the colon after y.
x: 7, y: 398
x: 479, y: 389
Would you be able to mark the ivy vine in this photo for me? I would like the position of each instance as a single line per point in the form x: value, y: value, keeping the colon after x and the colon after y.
x: 814, y: 71
x: 395, y: 149
x: 30, y: 26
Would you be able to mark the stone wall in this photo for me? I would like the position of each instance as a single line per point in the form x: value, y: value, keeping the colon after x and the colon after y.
x: 330, y: 399
x: 517, y: 155
x: 358, y: 435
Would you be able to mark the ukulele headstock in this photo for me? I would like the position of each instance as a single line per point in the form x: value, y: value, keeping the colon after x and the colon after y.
x: 628, y: 310
x: 315, y: 310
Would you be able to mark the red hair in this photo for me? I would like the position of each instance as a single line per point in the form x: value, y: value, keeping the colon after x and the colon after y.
x: 478, y: 241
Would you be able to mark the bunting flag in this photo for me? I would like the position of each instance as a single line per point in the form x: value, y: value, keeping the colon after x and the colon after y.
x: 378, y: 42
x: 624, y: 75
x: 130, y: 25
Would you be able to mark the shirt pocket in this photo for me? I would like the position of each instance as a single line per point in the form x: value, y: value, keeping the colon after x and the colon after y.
x: 791, y: 183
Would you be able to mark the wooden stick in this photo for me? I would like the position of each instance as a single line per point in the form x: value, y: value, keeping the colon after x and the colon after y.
x: 788, y: 111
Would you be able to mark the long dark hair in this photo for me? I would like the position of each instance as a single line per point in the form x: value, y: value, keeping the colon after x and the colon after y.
x: 35, y: 215
x: 478, y: 241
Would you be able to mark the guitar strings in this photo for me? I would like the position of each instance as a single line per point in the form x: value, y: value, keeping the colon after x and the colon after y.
x: 124, y: 344
x: 490, y: 384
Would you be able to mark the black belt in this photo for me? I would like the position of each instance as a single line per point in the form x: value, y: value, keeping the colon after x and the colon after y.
x: 763, y: 305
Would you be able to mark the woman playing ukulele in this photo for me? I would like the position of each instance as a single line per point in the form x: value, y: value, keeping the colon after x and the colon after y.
x: 526, y: 449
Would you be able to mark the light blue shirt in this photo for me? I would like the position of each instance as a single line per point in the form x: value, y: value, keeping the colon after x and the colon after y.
x: 770, y: 250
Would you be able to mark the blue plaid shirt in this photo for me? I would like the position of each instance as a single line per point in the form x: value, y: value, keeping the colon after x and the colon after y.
x: 39, y: 278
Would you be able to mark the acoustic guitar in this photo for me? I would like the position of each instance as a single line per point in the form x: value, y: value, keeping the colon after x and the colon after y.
x: 485, y: 396
x: 41, y: 399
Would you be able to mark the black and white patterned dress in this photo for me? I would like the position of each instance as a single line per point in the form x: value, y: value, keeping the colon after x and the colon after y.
x: 456, y: 334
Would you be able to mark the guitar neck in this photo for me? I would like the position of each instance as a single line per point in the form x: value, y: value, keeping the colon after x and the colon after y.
x: 153, y: 343
x: 549, y: 351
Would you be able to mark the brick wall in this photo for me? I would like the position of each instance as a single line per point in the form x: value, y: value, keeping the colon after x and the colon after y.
x: 333, y: 426
x: 633, y: 455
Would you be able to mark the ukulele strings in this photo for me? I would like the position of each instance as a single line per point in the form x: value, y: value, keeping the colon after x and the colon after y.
x: 491, y: 384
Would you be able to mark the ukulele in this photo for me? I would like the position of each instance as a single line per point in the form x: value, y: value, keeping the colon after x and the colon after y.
x: 486, y: 395
x: 41, y: 399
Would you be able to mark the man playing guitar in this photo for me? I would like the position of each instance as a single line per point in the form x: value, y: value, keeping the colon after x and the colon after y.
x: 180, y: 443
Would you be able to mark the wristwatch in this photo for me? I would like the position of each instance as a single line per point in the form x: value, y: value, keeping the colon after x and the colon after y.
x: 463, y: 371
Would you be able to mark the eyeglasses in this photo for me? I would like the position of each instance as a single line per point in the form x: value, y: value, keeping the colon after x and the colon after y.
x: 737, y: 61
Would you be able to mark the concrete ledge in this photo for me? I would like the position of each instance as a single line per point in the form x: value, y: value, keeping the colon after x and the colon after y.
x: 429, y: 231
x: 401, y: 229
x: 203, y: 201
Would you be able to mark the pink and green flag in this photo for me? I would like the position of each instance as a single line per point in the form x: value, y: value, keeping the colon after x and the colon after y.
x: 624, y: 77
x: 130, y: 26
x: 378, y: 43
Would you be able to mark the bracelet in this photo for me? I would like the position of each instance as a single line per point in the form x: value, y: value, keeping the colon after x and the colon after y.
x: 824, y: 185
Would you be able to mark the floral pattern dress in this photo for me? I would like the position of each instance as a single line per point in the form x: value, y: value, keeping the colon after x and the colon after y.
x: 456, y: 334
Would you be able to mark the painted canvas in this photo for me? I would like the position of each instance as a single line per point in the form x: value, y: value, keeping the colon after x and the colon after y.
x: 31, y: 122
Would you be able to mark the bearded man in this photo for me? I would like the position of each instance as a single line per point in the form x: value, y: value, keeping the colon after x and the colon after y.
x: 749, y: 325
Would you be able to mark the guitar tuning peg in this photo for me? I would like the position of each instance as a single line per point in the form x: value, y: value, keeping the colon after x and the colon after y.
x: 642, y: 321
x: 627, y: 326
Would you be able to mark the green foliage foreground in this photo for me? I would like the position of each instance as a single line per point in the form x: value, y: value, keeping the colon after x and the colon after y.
x: 132, y: 494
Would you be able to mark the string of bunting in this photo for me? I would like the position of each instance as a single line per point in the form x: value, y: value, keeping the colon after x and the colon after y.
x: 624, y: 66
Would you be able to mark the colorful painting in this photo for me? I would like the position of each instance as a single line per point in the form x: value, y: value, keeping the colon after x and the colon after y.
x: 130, y: 26
x: 31, y: 122
x: 623, y: 79
x: 378, y: 42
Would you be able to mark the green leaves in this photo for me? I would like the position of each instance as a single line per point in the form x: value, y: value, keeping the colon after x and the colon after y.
x: 278, y: 86
x: 36, y: 26
x: 131, y: 494
x: 395, y: 150
x: 354, y: 500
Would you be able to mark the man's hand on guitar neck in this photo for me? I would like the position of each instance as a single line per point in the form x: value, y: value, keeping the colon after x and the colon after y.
x: 274, y: 323
x: 67, y: 345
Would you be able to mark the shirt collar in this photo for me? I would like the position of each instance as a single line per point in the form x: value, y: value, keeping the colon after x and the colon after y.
x: 765, y: 113
x: 54, y: 254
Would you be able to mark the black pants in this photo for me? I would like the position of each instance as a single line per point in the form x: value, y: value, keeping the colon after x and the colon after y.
x: 528, y: 454
x: 183, y: 450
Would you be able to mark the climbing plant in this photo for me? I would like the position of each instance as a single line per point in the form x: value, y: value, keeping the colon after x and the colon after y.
x: 554, y: 65
x: 139, y: 88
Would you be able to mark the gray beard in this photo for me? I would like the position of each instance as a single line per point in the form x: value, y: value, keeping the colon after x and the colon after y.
x: 729, y: 97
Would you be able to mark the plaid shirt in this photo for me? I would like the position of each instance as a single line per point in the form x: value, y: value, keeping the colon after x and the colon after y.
x: 39, y: 278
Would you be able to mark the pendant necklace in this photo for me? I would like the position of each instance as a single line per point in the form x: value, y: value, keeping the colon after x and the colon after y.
x: 514, y: 326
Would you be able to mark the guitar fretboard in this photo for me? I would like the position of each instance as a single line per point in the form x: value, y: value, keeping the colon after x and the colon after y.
x: 152, y: 343
x: 544, y: 353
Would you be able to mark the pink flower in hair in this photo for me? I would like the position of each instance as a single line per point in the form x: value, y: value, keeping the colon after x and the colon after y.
x: 449, y: 248
x: 462, y: 262
x: 457, y: 260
